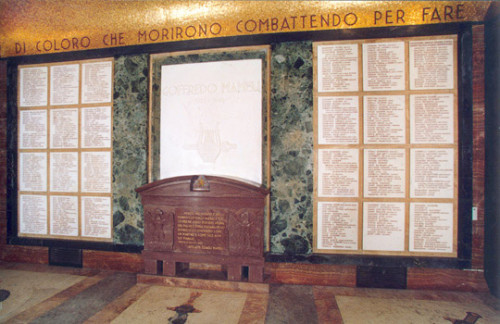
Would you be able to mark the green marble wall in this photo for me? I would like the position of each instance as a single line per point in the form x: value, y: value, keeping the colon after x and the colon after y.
x: 291, y: 148
x: 130, y: 143
x: 291, y: 144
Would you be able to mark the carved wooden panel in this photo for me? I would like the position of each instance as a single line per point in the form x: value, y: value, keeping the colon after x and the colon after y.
x: 158, y: 228
x: 245, y: 232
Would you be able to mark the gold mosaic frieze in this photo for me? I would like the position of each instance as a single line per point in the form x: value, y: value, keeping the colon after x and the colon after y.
x: 32, y: 27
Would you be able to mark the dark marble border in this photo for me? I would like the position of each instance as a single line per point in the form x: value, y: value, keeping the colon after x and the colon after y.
x: 11, y: 149
x: 492, y: 158
x: 370, y: 260
x: 73, y: 244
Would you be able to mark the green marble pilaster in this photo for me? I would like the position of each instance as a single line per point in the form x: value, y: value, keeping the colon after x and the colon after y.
x: 130, y: 142
x: 291, y: 148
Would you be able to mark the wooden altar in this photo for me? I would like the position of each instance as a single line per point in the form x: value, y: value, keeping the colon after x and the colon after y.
x: 204, y: 219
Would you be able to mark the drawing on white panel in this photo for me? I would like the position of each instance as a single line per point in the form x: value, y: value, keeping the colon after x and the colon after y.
x: 209, y: 144
x: 211, y: 119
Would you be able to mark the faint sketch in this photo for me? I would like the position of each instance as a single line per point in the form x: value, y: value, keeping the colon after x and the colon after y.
x: 209, y: 144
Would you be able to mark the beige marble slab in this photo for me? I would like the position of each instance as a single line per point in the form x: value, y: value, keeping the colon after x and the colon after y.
x: 381, y: 310
x: 211, y: 284
x: 254, y: 311
x: 30, y: 288
x: 117, y: 306
x: 211, y: 306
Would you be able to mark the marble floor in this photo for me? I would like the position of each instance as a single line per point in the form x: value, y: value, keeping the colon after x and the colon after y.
x: 48, y: 294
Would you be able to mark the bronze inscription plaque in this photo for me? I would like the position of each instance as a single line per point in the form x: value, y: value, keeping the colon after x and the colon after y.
x: 200, y: 231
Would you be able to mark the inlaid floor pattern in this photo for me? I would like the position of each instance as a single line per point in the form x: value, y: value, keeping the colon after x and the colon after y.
x: 47, y: 294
